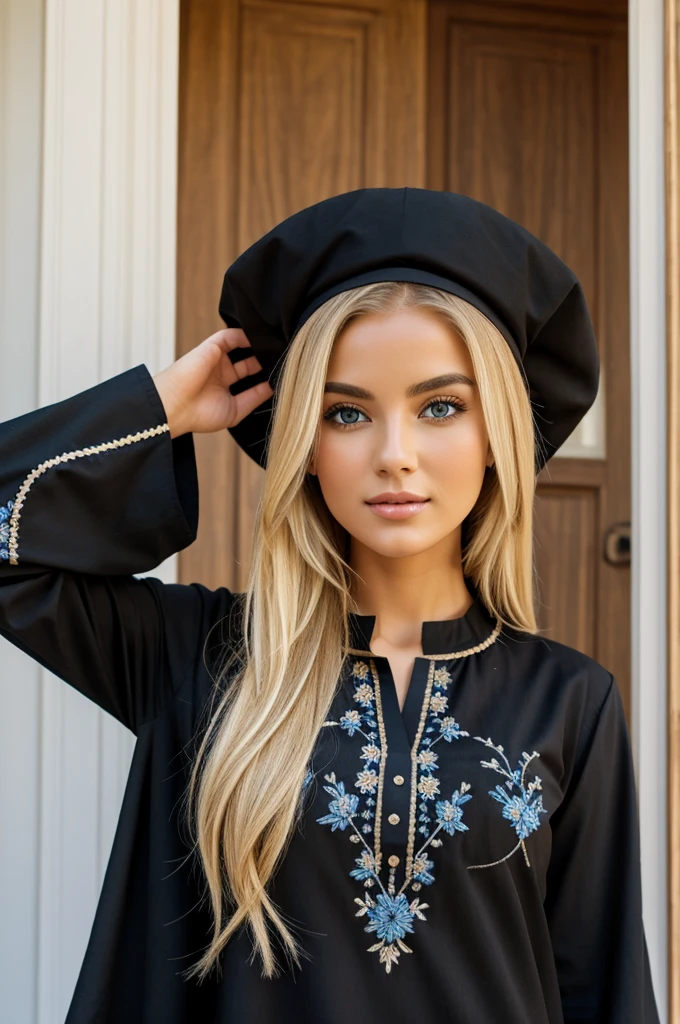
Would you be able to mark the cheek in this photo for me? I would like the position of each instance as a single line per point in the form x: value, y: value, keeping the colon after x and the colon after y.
x: 459, y: 450
x: 339, y: 464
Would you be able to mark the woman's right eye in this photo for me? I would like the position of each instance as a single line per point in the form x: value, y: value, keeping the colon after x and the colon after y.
x: 350, y: 411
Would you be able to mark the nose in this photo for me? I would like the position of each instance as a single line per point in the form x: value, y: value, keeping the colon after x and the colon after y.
x: 395, y: 447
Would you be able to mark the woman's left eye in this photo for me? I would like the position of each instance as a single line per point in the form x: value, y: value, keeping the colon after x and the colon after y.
x: 338, y: 410
x: 439, y: 409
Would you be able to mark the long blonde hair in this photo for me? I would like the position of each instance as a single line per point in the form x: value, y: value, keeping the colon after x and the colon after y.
x: 268, y: 717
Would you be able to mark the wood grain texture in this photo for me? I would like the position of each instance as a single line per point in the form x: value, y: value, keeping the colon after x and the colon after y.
x: 672, y: 130
x: 282, y: 104
x: 602, y: 16
x: 566, y: 551
x: 527, y: 111
x: 206, y: 244
x: 522, y: 117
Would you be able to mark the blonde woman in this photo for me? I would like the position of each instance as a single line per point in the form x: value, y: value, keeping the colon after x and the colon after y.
x: 366, y: 788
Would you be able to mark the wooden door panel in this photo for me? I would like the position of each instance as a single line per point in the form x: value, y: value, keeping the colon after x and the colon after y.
x: 522, y: 133
x: 281, y: 105
x: 527, y: 111
x: 303, y: 100
x: 566, y: 546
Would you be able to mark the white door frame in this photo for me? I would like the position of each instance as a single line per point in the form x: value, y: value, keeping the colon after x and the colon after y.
x: 648, y: 428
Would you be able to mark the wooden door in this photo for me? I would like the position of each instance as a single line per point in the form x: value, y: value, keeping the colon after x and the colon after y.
x: 524, y: 107
x: 282, y: 104
x: 527, y: 111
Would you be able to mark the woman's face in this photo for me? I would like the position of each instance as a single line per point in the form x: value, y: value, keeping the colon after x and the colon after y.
x: 401, y: 413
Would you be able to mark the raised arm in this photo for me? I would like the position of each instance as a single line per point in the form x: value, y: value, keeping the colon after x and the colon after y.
x: 96, y: 488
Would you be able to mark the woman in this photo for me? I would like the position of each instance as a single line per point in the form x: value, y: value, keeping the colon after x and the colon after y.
x: 366, y: 788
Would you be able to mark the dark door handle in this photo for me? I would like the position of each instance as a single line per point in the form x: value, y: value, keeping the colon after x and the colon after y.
x: 617, y: 544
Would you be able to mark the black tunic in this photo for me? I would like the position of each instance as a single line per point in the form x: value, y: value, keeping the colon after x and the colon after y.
x: 473, y: 859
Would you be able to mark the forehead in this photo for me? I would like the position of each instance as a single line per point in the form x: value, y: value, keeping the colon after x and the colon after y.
x: 405, y: 344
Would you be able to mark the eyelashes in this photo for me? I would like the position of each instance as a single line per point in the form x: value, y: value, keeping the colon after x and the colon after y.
x: 456, y: 403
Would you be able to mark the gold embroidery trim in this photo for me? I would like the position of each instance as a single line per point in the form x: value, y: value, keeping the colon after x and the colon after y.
x: 491, y: 639
x: 377, y: 828
x: 425, y: 707
x: 106, y: 446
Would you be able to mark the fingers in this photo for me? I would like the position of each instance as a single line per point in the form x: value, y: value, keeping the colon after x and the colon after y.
x: 248, y: 400
x: 230, y: 337
x: 246, y: 367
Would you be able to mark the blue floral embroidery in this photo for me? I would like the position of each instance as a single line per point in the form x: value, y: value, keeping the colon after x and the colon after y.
x: 391, y: 915
x: 364, y: 722
x: 522, y: 809
x: 449, y: 813
x: 422, y: 869
x: 438, y: 726
x: 524, y: 816
x: 5, y: 513
x: 366, y: 866
x: 351, y: 722
x: 342, y: 808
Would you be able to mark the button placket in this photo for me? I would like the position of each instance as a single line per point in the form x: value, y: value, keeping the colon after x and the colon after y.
x: 396, y: 767
x: 396, y: 798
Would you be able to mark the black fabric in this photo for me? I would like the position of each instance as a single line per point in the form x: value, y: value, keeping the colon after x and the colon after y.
x: 551, y: 934
x: 429, y: 237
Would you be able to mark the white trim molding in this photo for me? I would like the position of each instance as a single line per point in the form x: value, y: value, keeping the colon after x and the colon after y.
x: 21, y: 71
x: 107, y: 302
x: 648, y: 540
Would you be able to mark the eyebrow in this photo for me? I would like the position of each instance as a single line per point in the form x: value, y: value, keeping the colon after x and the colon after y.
x: 433, y: 384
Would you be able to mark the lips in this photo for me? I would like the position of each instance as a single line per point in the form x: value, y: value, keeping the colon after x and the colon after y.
x: 396, y: 498
x: 397, y: 505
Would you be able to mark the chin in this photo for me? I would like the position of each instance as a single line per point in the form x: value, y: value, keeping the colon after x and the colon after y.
x: 398, y: 547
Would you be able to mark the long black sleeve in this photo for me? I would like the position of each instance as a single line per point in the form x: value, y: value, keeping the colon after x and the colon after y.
x: 593, y: 899
x: 92, y: 490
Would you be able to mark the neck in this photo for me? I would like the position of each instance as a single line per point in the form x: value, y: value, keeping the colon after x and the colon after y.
x: 404, y: 592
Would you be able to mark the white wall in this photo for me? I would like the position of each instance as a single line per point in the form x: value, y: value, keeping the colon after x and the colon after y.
x: 88, y: 90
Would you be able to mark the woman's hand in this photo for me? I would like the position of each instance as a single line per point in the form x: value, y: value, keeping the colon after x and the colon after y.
x: 195, y: 389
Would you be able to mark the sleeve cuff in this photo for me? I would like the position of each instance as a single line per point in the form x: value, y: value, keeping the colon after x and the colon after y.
x: 95, y: 483
x: 183, y: 484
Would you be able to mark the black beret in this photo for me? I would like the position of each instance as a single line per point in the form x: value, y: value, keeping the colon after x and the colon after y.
x: 429, y: 237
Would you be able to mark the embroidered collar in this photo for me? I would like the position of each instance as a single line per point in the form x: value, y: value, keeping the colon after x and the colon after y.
x: 438, y: 636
